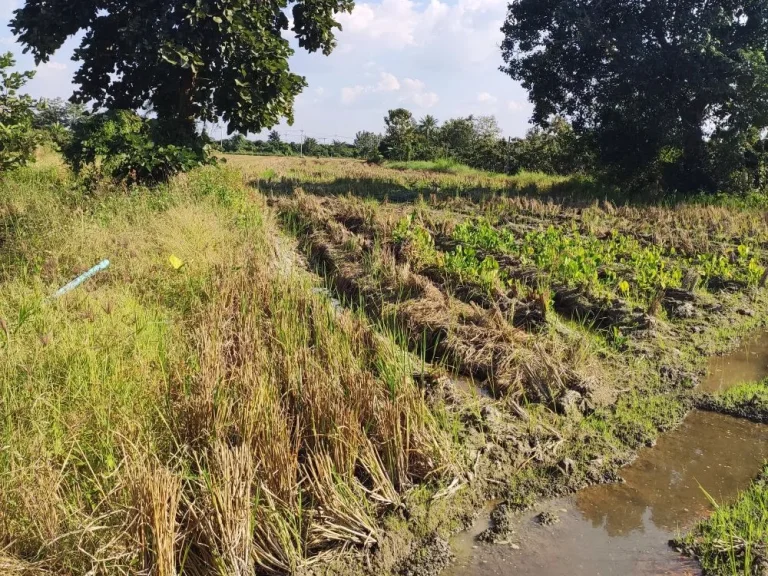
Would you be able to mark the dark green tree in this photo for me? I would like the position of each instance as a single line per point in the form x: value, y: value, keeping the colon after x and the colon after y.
x: 457, y: 136
x: 17, y: 139
x: 339, y: 149
x: 57, y: 112
x: 653, y: 81
x: 311, y: 146
x: 399, y: 136
x: 274, y: 138
x: 554, y: 149
x: 366, y: 144
x: 187, y: 60
x: 428, y: 127
x: 235, y: 143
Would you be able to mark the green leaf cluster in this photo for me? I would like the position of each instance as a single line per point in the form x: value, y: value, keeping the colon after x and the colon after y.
x: 126, y: 147
x: 17, y: 140
x: 186, y: 60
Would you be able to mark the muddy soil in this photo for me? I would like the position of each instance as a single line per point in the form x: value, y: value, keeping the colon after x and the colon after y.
x: 625, y: 528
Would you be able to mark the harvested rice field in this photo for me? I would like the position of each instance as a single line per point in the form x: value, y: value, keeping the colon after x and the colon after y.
x: 346, y: 364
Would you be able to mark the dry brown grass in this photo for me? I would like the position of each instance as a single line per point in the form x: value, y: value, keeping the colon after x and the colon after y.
x: 155, y: 493
x: 220, y: 419
x: 478, y: 342
x: 336, y: 176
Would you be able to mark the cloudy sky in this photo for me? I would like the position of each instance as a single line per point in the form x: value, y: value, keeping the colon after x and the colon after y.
x: 432, y: 57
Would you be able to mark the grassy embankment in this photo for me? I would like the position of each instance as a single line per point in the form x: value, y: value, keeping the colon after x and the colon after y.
x: 215, y: 419
x: 227, y: 417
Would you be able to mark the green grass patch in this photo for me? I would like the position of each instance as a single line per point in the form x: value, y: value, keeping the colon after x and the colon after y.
x: 748, y: 400
x: 443, y: 165
x: 734, y: 540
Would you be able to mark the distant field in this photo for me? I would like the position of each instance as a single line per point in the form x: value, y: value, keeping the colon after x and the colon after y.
x: 397, y: 181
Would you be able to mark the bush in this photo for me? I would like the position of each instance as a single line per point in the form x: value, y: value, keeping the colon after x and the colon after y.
x: 375, y: 157
x: 128, y: 148
x: 17, y: 139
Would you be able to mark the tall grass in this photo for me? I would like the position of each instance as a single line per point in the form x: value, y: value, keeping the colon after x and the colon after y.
x: 210, y: 420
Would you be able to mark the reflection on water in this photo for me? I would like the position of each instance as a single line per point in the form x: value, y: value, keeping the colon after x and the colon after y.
x: 624, y: 528
x: 717, y: 453
x: 747, y: 364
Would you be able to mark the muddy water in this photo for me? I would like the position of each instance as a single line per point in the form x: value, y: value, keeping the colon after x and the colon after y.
x: 622, y: 529
x: 747, y: 364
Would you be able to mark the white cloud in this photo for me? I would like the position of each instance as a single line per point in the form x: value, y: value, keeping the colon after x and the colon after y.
x: 410, y: 89
x: 388, y: 83
x: 56, y: 65
x: 392, y: 22
x: 425, y: 99
x: 468, y: 30
x: 515, y: 105
x: 415, y: 91
x: 413, y: 85
x: 319, y: 91
x: 351, y: 93
x: 486, y: 98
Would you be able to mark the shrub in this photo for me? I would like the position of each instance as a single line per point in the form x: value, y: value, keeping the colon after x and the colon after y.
x: 129, y: 148
x: 17, y: 139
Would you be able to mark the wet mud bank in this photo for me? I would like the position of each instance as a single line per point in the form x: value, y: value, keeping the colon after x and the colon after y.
x: 626, y: 527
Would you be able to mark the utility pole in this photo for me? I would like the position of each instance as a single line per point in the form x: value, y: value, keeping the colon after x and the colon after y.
x: 301, y: 148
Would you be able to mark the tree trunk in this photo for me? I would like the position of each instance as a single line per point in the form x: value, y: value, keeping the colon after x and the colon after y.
x: 180, y: 125
x: 695, y: 162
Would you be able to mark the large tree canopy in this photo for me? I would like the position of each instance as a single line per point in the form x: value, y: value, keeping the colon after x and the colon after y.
x: 187, y: 60
x: 645, y: 76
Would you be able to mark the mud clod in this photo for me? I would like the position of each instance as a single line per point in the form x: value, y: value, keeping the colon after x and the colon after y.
x: 501, y: 525
x: 547, y: 518
x: 684, y: 310
x: 430, y: 559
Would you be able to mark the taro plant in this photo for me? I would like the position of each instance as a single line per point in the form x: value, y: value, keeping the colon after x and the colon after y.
x: 465, y: 264
x: 415, y: 240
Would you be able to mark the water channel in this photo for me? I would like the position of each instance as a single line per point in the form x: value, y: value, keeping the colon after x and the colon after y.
x: 623, y: 529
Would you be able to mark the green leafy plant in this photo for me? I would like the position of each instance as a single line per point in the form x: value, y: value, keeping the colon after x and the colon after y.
x: 580, y: 259
x: 464, y: 263
x: 124, y: 146
x: 17, y: 139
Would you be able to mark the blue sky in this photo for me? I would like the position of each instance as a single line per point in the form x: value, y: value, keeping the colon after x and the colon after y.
x: 432, y: 57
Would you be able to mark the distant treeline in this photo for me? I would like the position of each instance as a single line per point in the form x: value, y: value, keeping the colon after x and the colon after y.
x: 475, y: 141
x: 275, y: 146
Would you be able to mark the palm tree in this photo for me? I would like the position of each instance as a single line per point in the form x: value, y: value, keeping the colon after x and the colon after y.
x: 428, y: 126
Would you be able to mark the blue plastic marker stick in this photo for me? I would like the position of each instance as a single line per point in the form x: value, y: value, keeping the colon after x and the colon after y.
x: 82, y: 278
